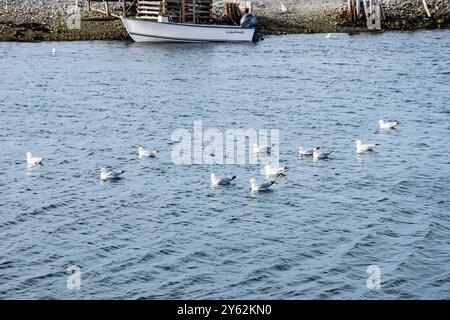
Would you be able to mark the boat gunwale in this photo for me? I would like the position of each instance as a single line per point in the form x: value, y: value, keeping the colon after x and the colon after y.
x: 191, y: 24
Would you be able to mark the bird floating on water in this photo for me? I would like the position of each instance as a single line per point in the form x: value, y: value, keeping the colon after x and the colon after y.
x: 305, y: 151
x: 321, y: 155
x: 328, y: 36
x: 110, y: 175
x: 270, y: 171
x: 265, y: 186
x: 147, y: 153
x: 33, y: 161
x: 53, y: 51
x: 262, y: 149
x: 387, y: 124
x: 361, y: 148
x: 222, y: 181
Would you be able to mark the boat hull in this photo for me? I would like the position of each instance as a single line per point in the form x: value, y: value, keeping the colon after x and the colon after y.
x: 149, y: 31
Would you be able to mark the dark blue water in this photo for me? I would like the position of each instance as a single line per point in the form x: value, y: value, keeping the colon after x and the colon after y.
x: 162, y: 232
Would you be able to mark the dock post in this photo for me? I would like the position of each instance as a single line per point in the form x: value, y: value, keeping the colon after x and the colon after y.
x: 89, y: 5
x: 425, y: 5
x: 349, y: 10
x: 106, y: 7
x: 366, y: 9
x: 183, y: 11
x: 374, y: 15
x: 124, y: 7
x: 358, y: 9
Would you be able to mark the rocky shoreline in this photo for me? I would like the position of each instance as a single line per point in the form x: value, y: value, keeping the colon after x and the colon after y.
x: 38, y: 20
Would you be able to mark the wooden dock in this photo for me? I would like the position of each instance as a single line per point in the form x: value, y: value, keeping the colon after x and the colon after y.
x: 370, y: 10
x: 194, y: 11
x: 125, y: 5
x: 188, y: 11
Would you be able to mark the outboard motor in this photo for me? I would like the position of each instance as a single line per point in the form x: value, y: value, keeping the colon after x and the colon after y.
x: 249, y: 21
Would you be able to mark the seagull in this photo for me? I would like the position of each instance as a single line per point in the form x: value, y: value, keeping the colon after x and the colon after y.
x: 305, y: 152
x: 145, y: 153
x: 33, y: 161
x: 260, y: 187
x: 220, y: 182
x: 283, y: 8
x: 110, y: 175
x: 262, y: 149
x: 317, y: 155
x: 274, y: 171
x: 328, y: 36
x: 361, y: 148
x: 387, y: 124
x: 53, y: 51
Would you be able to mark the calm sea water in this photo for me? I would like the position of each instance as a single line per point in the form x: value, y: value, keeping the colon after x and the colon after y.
x: 162, y: 232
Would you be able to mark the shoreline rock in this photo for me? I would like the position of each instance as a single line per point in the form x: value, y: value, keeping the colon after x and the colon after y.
x: 36, y: 20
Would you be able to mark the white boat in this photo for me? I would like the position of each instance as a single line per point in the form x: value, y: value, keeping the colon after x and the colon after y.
x: 141, y: 30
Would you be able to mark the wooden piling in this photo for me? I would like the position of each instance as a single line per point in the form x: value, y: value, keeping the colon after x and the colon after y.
x: 425, y: 5
x: 374, y: 16
x: 366, y: 9
x: 183, y: 11
x: 107, y: 8
x: 350, y: 10
x: 358, y: 9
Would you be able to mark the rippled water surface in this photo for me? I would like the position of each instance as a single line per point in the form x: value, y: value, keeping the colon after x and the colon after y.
x: 162, y: 232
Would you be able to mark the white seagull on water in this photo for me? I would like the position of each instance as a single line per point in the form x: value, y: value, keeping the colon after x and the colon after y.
x: 361, y: 148
x: 387, y: 124
x: 262, y: 149
x: 305, y: 152
x: 270, y: 171
x: 260, y: 187
x: 110, y: 175
x: 222, y: 181
x: 147, y: 153
x: 328, y: 36
x: 321, y: 155
x: 33, y: 161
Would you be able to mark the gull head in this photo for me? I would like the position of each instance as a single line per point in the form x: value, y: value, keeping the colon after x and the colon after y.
x: 316, y: 148
x: 140, y: 149
x: 28, y: 155
x: 358, y: 142
x: 213, y: 175
x: 103, y: 170
x: 381, y: 121
x: 253, y: 180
